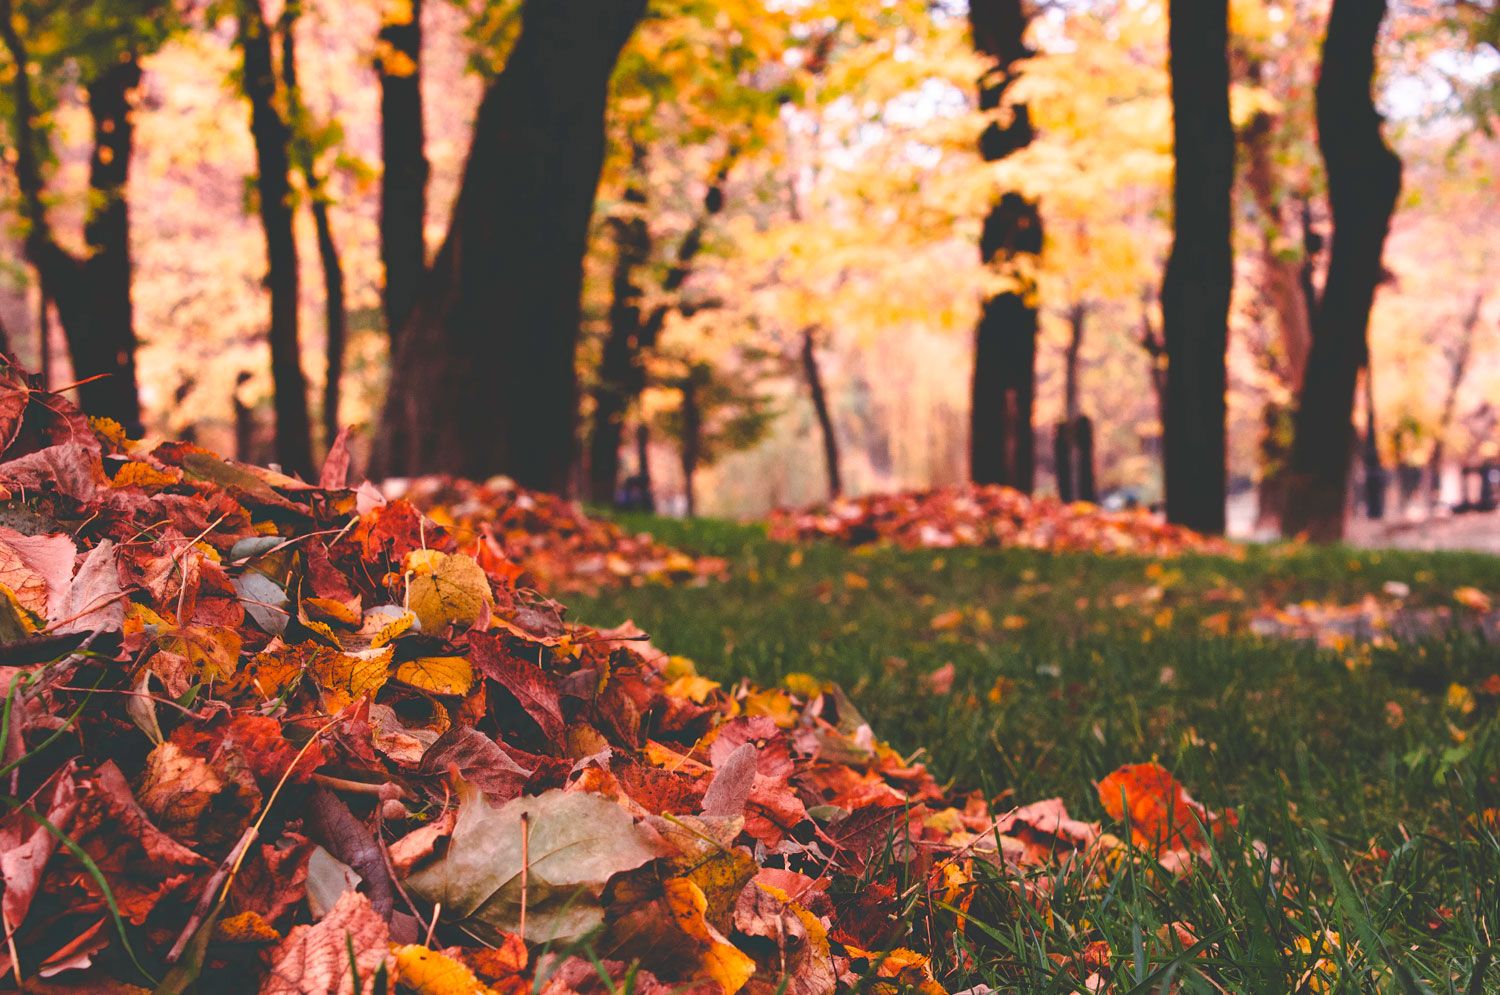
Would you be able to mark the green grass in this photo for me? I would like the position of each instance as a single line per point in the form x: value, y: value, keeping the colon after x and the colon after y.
x: 1067, y: 666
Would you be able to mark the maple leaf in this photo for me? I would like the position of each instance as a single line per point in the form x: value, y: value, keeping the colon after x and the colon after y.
x: 575, y: 842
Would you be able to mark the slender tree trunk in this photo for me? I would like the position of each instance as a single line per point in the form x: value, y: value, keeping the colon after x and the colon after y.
x: 91, y: 294
x: 335, y: 317
x: 1281, y: 273
x: 1458, y: 368
x: 1196, y: 288
x: 335, y: 314
x: 1364, y: 181
x: 403, y: 144
x: 484, y: 379
x: 643, y: 467
x: 814, y: 376
x: 1001, y: 444
x: 617, y: 368
x: 692, y: 441
x: 273, y: 187
x: 622, y: 372
x: 1074, y: 479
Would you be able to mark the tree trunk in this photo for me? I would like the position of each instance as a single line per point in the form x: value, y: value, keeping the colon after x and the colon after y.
x: 1196, y: 288
x: 1003, y: 389
x: 692, y: 441
x: 273, y: 187
x: 484, y: 380
x: 108, y: 346
x: 622, y: 372
x: 643, y: 467
x: 1458, y: 368
x: 618, y: 365
x: 1072, y: 449
x: 335, y: 316
x: 403, y: 144
x: 92, y: 294
x: 1364, y: 181
x: 1281, y: 273
x: 814, y: 376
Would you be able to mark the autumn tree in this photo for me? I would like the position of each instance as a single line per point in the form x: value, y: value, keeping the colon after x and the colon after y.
x: 90, y: 290
x: 1364, y: 181
x: 483, y: 375
x: 1199, y: 275
x: 1001, y: 445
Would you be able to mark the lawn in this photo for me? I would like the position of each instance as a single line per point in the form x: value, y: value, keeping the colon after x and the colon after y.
x: 1364, y: 777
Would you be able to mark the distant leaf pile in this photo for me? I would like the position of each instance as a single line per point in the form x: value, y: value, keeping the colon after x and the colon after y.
x: 261, y: 733
x: 989, y: 515
x: 559, y: 546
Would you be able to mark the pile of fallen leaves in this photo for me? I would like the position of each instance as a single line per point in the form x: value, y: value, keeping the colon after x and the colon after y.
x: 559, y: 546
x: 265, y: 734
x: 989, y: 515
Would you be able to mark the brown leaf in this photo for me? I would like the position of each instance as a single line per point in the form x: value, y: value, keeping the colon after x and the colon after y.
x: 479, y: 761
x: 24, y: 857
x: 315, y: 960
x: 531, y: 686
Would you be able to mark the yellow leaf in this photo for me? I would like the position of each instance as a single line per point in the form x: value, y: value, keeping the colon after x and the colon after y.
x: 773, y: 703
x: 692, y: 687
x: 722, y: 961
x: 348, y: 677
x: 454, y: 592
x: 329, y: 610
x: 429, y: 972
x: 438, y: 674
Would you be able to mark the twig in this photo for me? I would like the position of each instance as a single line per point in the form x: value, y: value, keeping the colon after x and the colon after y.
x: 525, y: 864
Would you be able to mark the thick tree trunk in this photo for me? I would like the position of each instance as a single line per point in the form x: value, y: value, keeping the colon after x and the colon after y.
x: 273, y: 187
x: 646, y: 491
x: 92, y: 294
x: 618, y: 365
x: 1196, y: 288
x: 1001, y: 444
x: 1364, y: 181
x: 403, y: 144
x: 814, y: 376
x: 484, y: 380
x: 108, y: 345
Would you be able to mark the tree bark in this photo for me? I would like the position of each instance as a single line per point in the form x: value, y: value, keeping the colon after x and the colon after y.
x: 1364, y: 181
x: 91, y: 294
x: 1196, y: 287
x: 484, y: 380
x: 273, y: 186
x: 1001, y: 444
x: 403, y: 144
x: 814, y: 376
